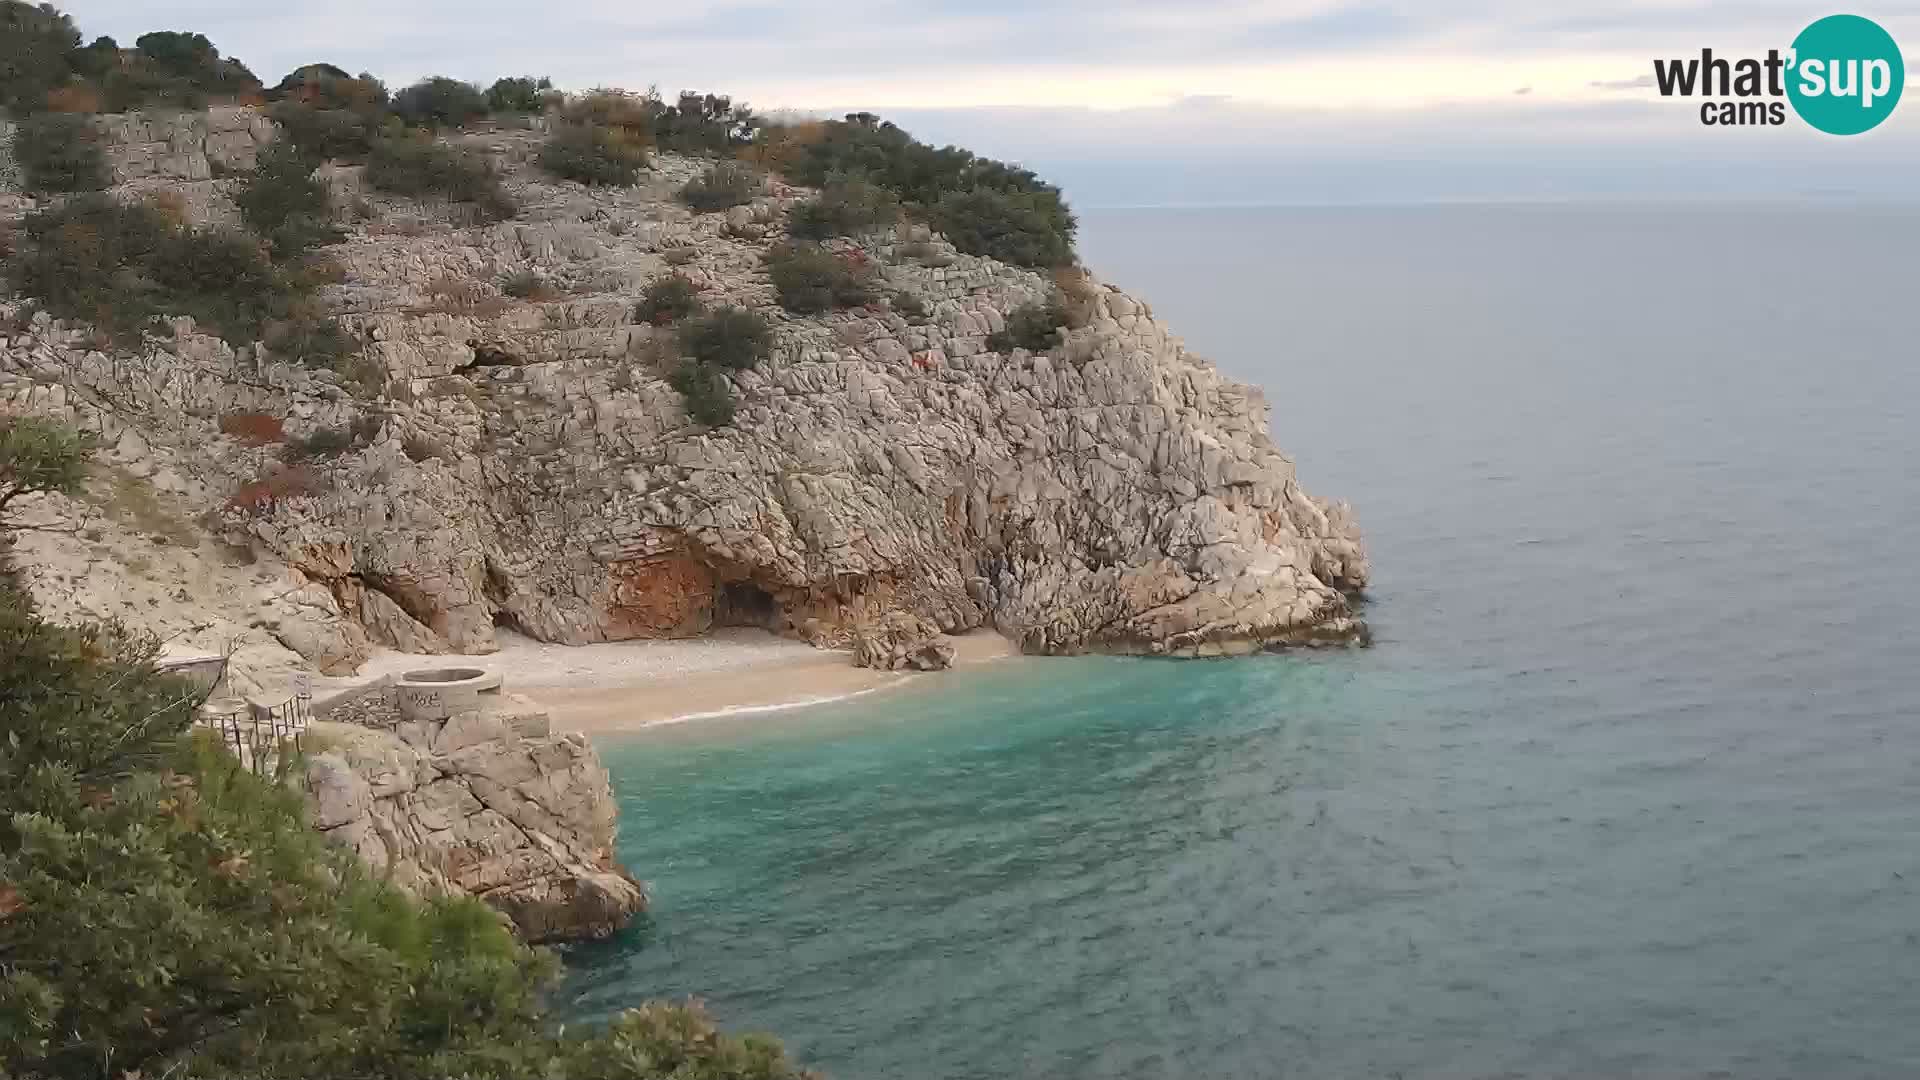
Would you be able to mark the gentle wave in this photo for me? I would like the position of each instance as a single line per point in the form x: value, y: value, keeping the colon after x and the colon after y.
x: 747, y: 710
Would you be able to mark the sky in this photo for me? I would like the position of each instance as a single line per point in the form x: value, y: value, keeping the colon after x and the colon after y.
x: 1127, y: 102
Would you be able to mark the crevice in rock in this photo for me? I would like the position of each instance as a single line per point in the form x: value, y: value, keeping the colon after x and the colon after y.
x: 409, y: 600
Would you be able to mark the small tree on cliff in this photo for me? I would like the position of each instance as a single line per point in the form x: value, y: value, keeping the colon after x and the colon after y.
x: 37, y: 457
x: 36, y: 54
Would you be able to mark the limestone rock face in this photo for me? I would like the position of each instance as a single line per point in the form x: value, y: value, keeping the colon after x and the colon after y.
x: 489, y: 803
x: 183, y: 145
x: 312, y: 625
x: 899, y: 641
x: 387, y: 623
x: 528, y: 464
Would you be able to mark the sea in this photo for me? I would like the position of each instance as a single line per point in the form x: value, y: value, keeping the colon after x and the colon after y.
x: 1628, y: 784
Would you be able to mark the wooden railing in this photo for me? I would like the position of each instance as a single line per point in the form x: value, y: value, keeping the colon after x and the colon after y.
x: 261, y: 736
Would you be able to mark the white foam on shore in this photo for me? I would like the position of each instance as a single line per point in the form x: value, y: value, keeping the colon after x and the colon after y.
x: 747, y: 710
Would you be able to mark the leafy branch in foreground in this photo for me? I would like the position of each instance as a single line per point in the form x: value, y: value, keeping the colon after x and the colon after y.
x: 39, y: 457
x: 164, y: 911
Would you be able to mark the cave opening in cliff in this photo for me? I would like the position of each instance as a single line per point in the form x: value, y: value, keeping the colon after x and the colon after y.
x: 742, y: 603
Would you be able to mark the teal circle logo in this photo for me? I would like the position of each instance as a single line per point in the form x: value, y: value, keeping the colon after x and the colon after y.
x: 1846, y: 75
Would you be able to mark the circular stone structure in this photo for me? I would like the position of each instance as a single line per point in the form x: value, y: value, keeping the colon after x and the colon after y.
x: 437, y: 693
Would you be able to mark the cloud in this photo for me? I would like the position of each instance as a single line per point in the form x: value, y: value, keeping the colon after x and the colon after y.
x: 1144, y: 100
x: 923, y: 52
x: 1226, y: 151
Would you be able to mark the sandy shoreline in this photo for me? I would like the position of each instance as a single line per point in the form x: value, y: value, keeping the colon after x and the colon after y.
x: 623, y: 686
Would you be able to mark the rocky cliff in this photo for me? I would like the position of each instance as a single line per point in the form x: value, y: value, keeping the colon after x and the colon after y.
x: 523, y: 462
x: 487, y: 801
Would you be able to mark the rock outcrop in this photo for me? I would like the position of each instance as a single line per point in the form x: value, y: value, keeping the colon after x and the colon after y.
x: 489, y: 802
x: 184, y: 145
x: 168, y: 145
x: 900, y: 641
x: 523, y: 462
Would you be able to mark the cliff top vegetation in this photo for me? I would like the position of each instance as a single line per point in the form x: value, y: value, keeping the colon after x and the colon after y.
x: 985, y: 207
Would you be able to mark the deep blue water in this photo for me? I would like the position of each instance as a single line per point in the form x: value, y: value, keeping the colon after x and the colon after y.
x: 1629, y: 784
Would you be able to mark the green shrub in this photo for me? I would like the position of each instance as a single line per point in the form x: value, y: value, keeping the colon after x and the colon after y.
x: 38, y: 456
x: 725, y: 185
x: 519, y: 95
x: 41, y: 59
x: 168, y: 911
x: 810, y: 280
x: 97, y: 60
x: 977, y: 192
x: 701, y: 123
x: 325, y: 86
x: 593, y: 154
x: 438, y: 102
x: 327, y: 134
x: 660, y: 1041
x: 1032, y: 326
x: 83, y: 260
x: 120, y: 266
x: 667, y: 299
x: 1020, y: 227
x: 37, y: 54
x: 732, y: 337
x: 193, y: 60
x: 283, y: 202
x: 708, y: 393
x: 221, y: 278
x: 59, y: 152
x: 167, y: 69
x: 411, y: 165
x: 844, y: 207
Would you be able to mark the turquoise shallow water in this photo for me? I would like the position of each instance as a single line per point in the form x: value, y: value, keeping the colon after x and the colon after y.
x: 1627, y: 786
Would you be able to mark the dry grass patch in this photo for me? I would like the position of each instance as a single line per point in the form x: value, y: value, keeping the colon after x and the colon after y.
x: 131, y: 501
